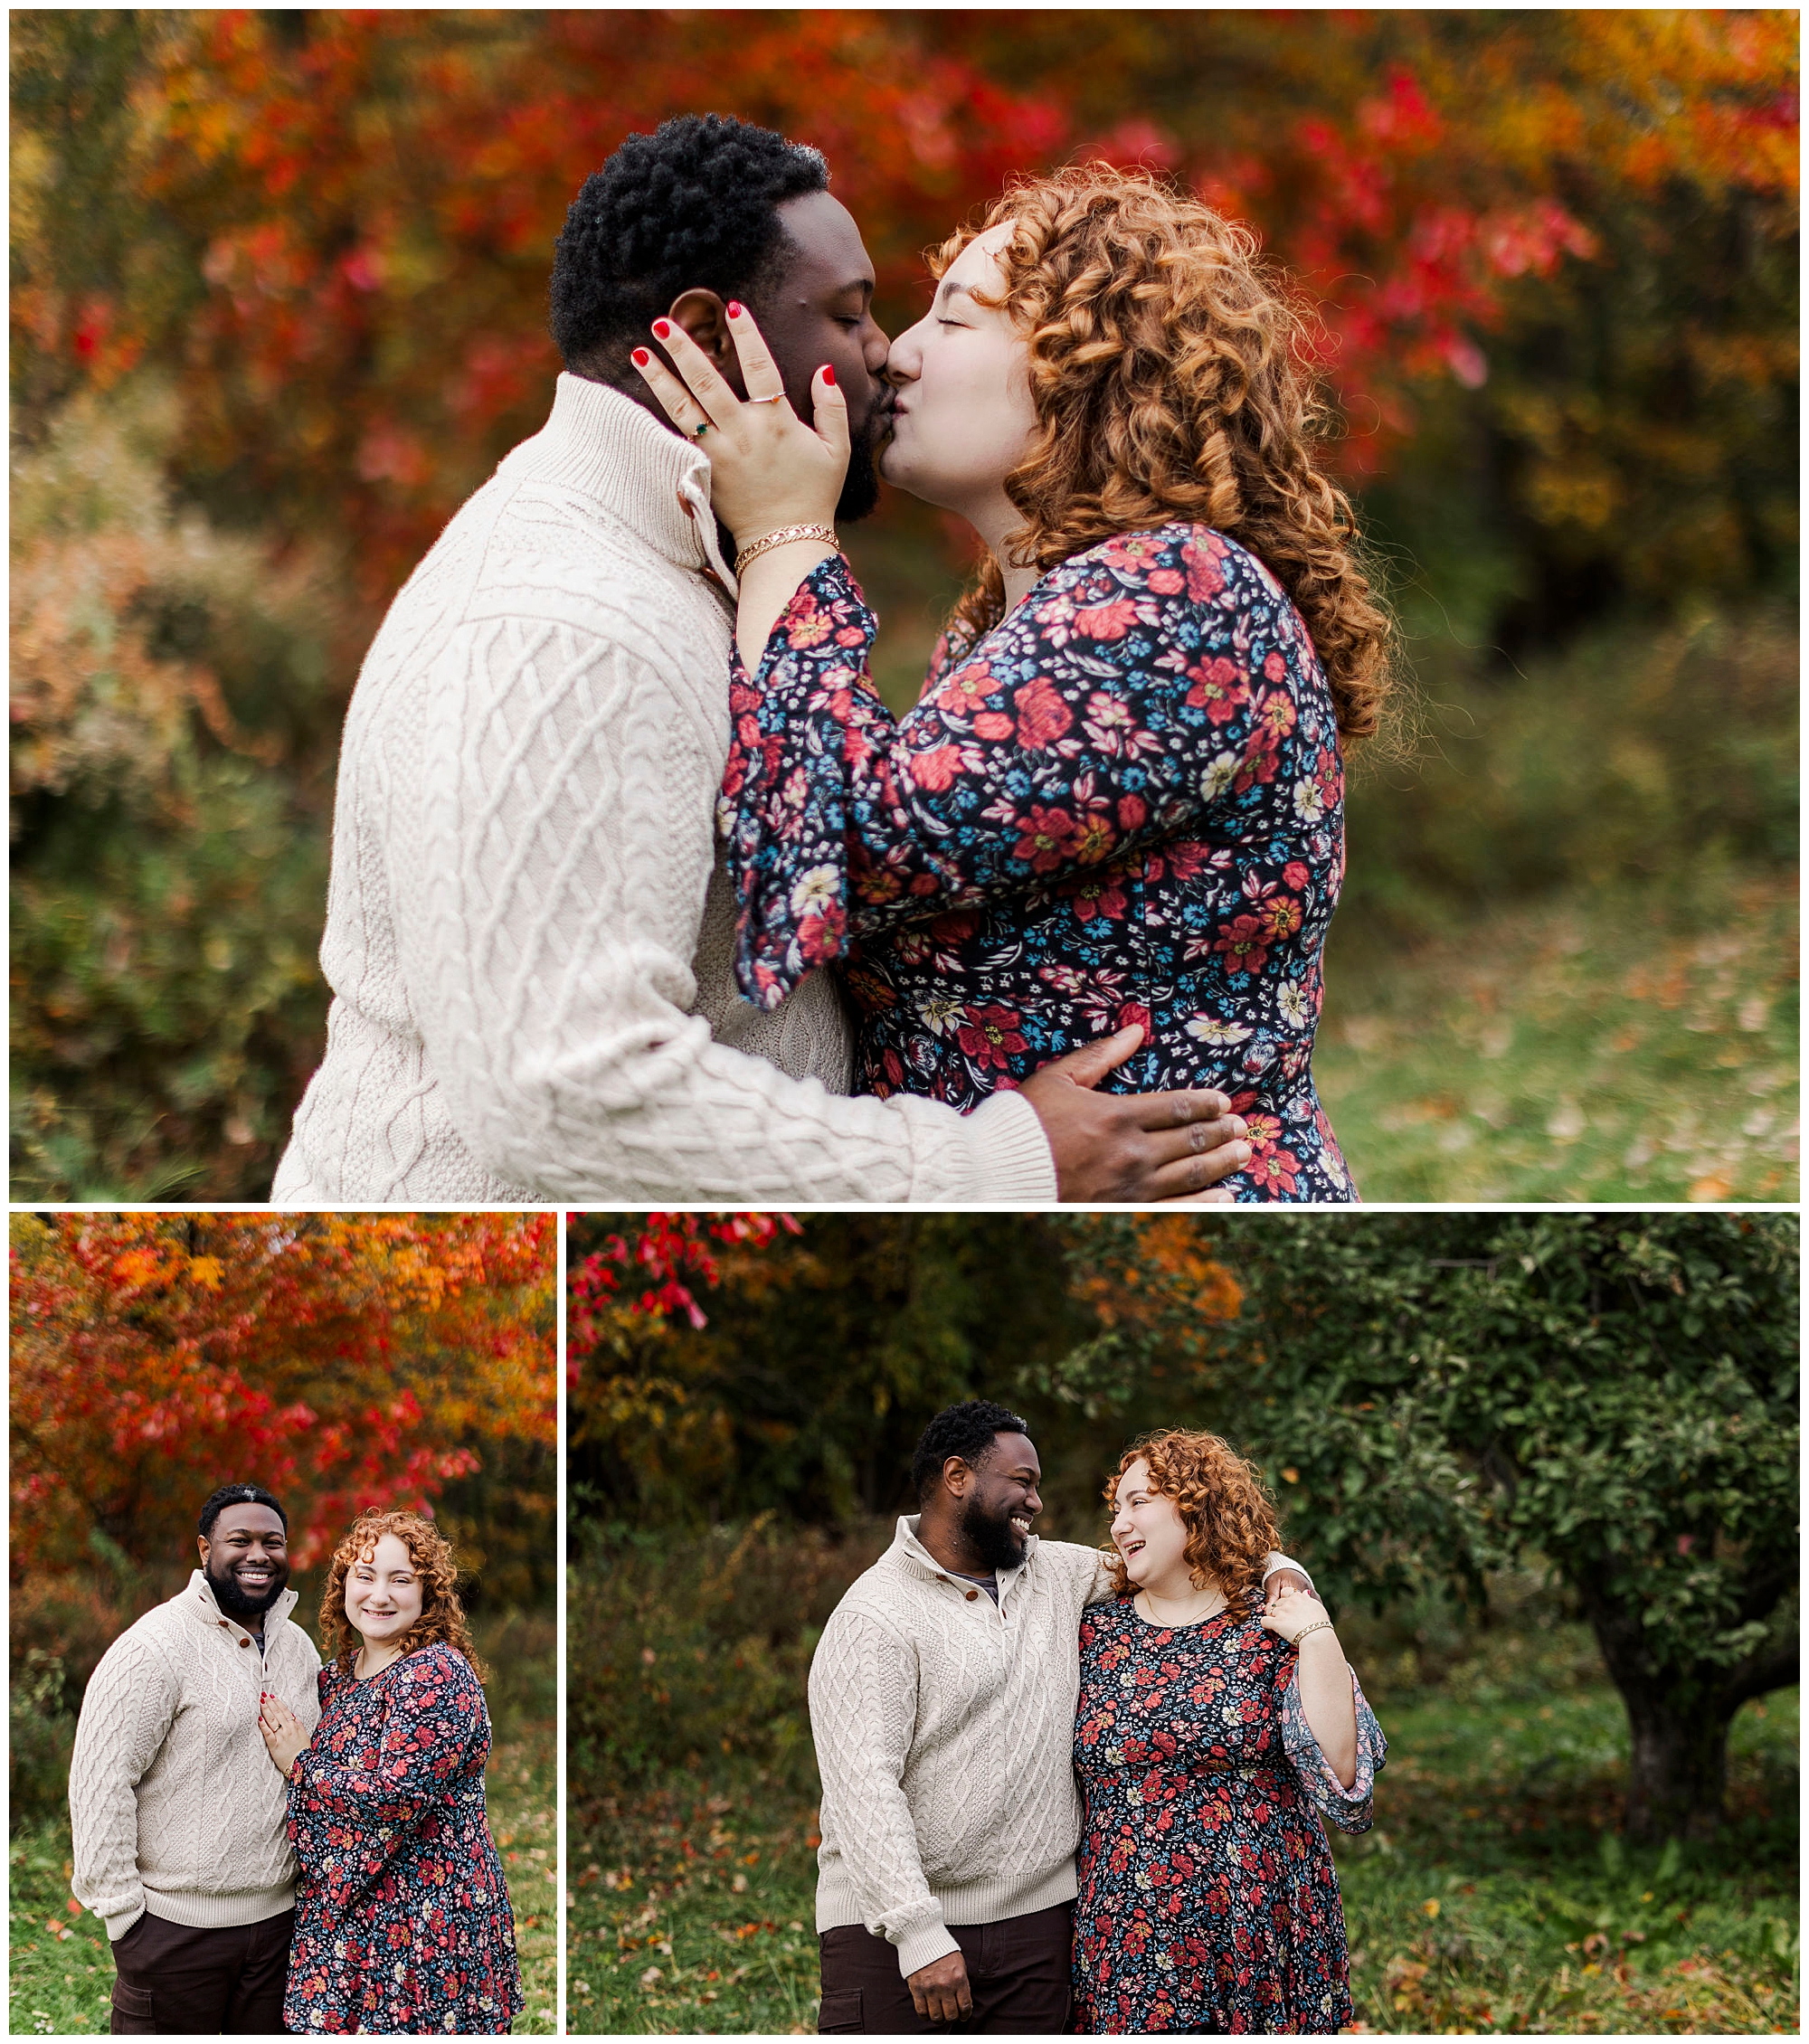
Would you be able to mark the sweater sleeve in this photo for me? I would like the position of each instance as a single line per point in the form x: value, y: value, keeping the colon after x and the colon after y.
x: 1147, y: 683
x: 126, y: 1712
x: 550, y: 904
x: 863, y: 1694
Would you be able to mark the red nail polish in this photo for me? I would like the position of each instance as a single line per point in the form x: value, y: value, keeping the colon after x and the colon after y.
x: 662, y: 328
x: 641, y: 358
x: 736, y: 308
x: 828, y: 374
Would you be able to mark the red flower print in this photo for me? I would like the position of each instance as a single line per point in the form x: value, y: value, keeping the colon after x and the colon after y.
x: 1044, y: 837
x: 1098, y: 894
x: 962, y: 692
x: 1042, y: 715
x: 992, y: 727
x: 1132, y: 813
x: 936, y: 769
x: 1205, y: 578
x: 1245, y: 943
x: 1294, y: 874
x: 1276, y: 1171
x: 1133, y: 1013
x: 1220, y: 688
x: 1274, y: 668
x: 1107, y: 621
x: 956, y: 927
x: 805, y: 625
x: 989, y: 1036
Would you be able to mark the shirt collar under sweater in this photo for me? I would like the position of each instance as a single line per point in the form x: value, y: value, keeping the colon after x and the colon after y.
x: 608, y: 447
x: 198, y: 1599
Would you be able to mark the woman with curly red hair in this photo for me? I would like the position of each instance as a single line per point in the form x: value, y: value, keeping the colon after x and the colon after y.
x: 1211, y: 1737
x: 1119, y: 803
x: 402, y: 1917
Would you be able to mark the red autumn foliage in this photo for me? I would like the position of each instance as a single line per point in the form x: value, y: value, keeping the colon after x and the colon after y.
x: 344, y: 1362
x: 647, y: 1273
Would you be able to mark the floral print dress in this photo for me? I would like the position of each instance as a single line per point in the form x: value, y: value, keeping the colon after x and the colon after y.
x: 403, y: 1918
x: 1122, y: 804
x: 1208, y: 1897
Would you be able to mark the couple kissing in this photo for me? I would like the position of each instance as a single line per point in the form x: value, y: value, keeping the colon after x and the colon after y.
x: 275, y: 1845
x: 1067, y: 1790
x: 639, y: 891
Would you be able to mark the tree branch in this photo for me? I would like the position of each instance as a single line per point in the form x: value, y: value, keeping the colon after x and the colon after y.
x: 1775, y: 1669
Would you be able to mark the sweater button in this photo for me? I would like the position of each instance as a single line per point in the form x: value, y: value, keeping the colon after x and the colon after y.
x: 244, y: 1642
x: 970, y: 1594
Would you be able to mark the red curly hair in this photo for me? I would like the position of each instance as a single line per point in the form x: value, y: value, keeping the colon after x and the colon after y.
x: 1170, y: 376
x: 442, y: 1620
x: 1225, y: 1508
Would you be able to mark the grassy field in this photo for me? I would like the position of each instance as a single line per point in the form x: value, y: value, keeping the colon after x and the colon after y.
x: 61, y: 1970
x: 1494, y: 1894
x: 1624, y: 1043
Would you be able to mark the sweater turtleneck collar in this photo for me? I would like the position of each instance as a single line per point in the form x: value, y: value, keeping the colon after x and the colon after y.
x: 908, y: 1545
x: 200, y: 1591
x: 608, y: 447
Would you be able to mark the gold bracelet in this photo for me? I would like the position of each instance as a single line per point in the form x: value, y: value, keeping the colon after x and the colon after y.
x: 1318, y: 1625
x: 753, y: 550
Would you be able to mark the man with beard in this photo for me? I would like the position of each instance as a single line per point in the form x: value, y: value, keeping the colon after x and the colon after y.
x: 942, y: 1699
x: 529, y: 929
x: 179, y: 1820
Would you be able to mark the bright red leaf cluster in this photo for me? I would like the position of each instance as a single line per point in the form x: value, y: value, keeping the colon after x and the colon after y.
x: 647, y: 1273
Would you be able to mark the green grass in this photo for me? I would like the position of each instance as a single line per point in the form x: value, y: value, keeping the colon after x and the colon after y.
x: 1620, y: 1044
x: 695, y: 1915
x: 1494, y: 1894
x: 60, y: 1970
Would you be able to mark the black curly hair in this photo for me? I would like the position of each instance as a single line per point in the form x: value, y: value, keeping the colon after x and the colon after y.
x: 237, y: 1494
x: 966, y: 1430
x: 693, y: 205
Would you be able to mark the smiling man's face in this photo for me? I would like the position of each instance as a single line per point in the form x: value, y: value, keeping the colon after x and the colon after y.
x: 246, y: 1560
x: 1001, y: 1501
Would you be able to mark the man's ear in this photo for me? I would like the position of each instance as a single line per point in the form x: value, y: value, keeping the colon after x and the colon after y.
x: 956, y: 1474
x: 200, y: 1542
x: 706, y: 318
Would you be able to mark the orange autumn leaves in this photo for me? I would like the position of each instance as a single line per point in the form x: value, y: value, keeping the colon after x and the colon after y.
x: 344, y: 1362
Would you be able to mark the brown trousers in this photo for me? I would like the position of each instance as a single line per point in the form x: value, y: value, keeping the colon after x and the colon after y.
x: 1020, y: 1970
x: 175, y: 1981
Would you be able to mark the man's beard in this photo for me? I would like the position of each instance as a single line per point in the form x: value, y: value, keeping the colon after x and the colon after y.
x: 237, y: 1603
x: 860, y: 485
x: 997, y: 1542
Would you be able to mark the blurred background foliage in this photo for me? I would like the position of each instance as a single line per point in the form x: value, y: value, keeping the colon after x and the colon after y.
x: 278, y: 294
x: 1501, y: 1442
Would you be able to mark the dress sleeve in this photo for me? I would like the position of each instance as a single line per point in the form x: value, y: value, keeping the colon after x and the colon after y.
x: 435, y: 1729
x: 1151, y: 679
x: 1348, y: 1808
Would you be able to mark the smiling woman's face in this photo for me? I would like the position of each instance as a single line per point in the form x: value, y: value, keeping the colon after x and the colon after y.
x: 1146, y: 1528
x: 963, y: 419
x: 382, y: 1593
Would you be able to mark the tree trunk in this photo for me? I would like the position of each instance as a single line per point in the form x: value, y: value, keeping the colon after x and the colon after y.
x: 1679, y: 1763
x: 1679, y: 1720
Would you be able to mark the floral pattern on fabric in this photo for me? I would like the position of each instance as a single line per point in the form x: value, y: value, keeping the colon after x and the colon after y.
x: 1122, y: 804
x: 1208, y: 1897
x: 403, y: 1920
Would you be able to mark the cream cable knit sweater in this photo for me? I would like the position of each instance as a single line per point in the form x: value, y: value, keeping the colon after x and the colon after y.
x: 529, y: 931
x: 945, y: 1733
x: 173, y: 1801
